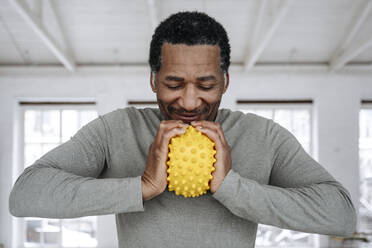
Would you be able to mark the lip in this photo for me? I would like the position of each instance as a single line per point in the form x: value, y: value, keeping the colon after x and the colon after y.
x: 188, y: 118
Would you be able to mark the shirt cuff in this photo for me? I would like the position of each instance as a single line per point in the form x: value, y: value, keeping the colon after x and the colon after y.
x: 132, y: 200
x: 228, y: 187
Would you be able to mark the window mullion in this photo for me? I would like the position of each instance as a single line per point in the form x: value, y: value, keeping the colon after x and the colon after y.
x: 60, y: 126
x: 60, y: 141
x: 42, y: 239
x: 60, y: 234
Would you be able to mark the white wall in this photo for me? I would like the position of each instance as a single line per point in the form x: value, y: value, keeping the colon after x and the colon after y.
x: 336, y: 107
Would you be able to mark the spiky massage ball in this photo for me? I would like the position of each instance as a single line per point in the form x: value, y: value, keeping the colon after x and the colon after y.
x: 191, y: 159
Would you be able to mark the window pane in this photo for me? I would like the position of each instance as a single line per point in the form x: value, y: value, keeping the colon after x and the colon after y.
x: 73, y: 120
x: 79, y: 232
x: 51, y: 122
x: 284, y: 118
x: 32, y: 152
x: 365, y: 165
x: 301, y: 127
x: 86, y: 116
x: 33, y: 229
x: 49, y: 146
x: 276, y: 237
x: 70, y: 123
x: 43, y: 131
x: 267, y: 113
x: 51, y: 231
x: 33, y: 126
x: 298, y: 122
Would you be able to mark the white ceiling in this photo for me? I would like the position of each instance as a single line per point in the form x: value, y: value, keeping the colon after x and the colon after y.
x: 117, y: 32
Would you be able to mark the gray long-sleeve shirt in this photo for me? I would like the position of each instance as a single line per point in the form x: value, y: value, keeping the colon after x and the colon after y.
x: 272, y: 181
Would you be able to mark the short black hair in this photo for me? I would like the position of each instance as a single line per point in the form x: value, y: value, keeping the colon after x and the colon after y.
x: 190, y: 28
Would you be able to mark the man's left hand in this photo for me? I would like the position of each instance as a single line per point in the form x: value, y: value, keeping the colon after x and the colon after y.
x: 223, y: 156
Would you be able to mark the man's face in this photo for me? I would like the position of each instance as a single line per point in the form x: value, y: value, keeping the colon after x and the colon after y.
x: 190, y: 82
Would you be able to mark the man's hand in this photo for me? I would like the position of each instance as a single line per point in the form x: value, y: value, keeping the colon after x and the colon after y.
x: 223, y: 156
x: 154, y: 180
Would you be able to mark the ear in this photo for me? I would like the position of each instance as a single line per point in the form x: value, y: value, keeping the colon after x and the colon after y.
x: 227, y: 80
x: 152, y: 82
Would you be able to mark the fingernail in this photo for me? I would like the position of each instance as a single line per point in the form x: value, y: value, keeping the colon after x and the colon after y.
x: 199, y: 127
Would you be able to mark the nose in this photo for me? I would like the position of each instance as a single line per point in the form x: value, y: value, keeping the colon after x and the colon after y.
x: 190, y: 98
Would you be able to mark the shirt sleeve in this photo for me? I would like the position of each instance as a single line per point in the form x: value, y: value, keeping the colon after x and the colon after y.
x: 301, y: 194
x: 64, y: 183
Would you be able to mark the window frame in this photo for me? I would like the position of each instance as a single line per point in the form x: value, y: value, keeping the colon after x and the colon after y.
x: 142, y: 104
x: 365, y: 105
x: 23, y: 106
x: 285, y: 105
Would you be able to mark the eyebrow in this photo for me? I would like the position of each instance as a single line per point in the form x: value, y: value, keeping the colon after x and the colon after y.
x: 180, y: 79
x: 207, y: 78
x: 174, y: 78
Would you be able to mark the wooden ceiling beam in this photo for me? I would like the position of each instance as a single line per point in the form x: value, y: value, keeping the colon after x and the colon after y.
x: 61, y: 30
x: 33, y: 21
x: 258, y: 45
x: 350, y: 54
x: 256, y: 30
x: 342, y: 54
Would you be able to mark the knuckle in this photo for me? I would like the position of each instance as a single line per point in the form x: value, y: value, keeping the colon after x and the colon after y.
x: 163, y: 124
x: 175, y: 132
x: 158, y: 154
x: 170, y: 134
x: 166, y: 137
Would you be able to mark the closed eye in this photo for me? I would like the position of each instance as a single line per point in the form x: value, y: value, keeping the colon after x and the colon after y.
x: 173, y: 87
x: 205, y: 87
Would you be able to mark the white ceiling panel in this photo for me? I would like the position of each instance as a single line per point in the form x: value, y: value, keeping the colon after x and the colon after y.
x: 364, y: 34
x: 310, y: 32
x: 115, y: 32
x: 30, y: 48
x: 364, y: 57
x: 237, y: 17
x: 9, y: 56
x: 108, y: 32
x: 9, y: 51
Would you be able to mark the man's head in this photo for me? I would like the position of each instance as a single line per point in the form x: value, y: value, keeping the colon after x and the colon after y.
x: 189, y: 59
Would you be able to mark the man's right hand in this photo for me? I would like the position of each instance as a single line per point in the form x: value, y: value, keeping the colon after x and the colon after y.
x: 154, y: 180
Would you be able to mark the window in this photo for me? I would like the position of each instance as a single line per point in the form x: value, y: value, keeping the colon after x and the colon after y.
x: 142, y: 104
x: 297, y: 118
x: 46, y: 126
x: 365, y: 165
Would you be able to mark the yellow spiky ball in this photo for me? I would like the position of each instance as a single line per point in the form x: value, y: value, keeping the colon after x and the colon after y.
x: 190, y: 164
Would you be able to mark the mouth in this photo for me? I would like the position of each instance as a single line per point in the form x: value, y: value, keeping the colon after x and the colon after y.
x: 187, y: 118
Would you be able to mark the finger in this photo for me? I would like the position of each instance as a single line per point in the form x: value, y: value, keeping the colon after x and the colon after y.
x: 213, y: 135
x: 170, y: 134
x: 166, y: 126
x: 174, y: 121
x: 211, y: 125
x: 170, y: 124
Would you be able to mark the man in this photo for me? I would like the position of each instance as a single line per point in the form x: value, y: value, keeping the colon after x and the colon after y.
x: 117, y: 163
